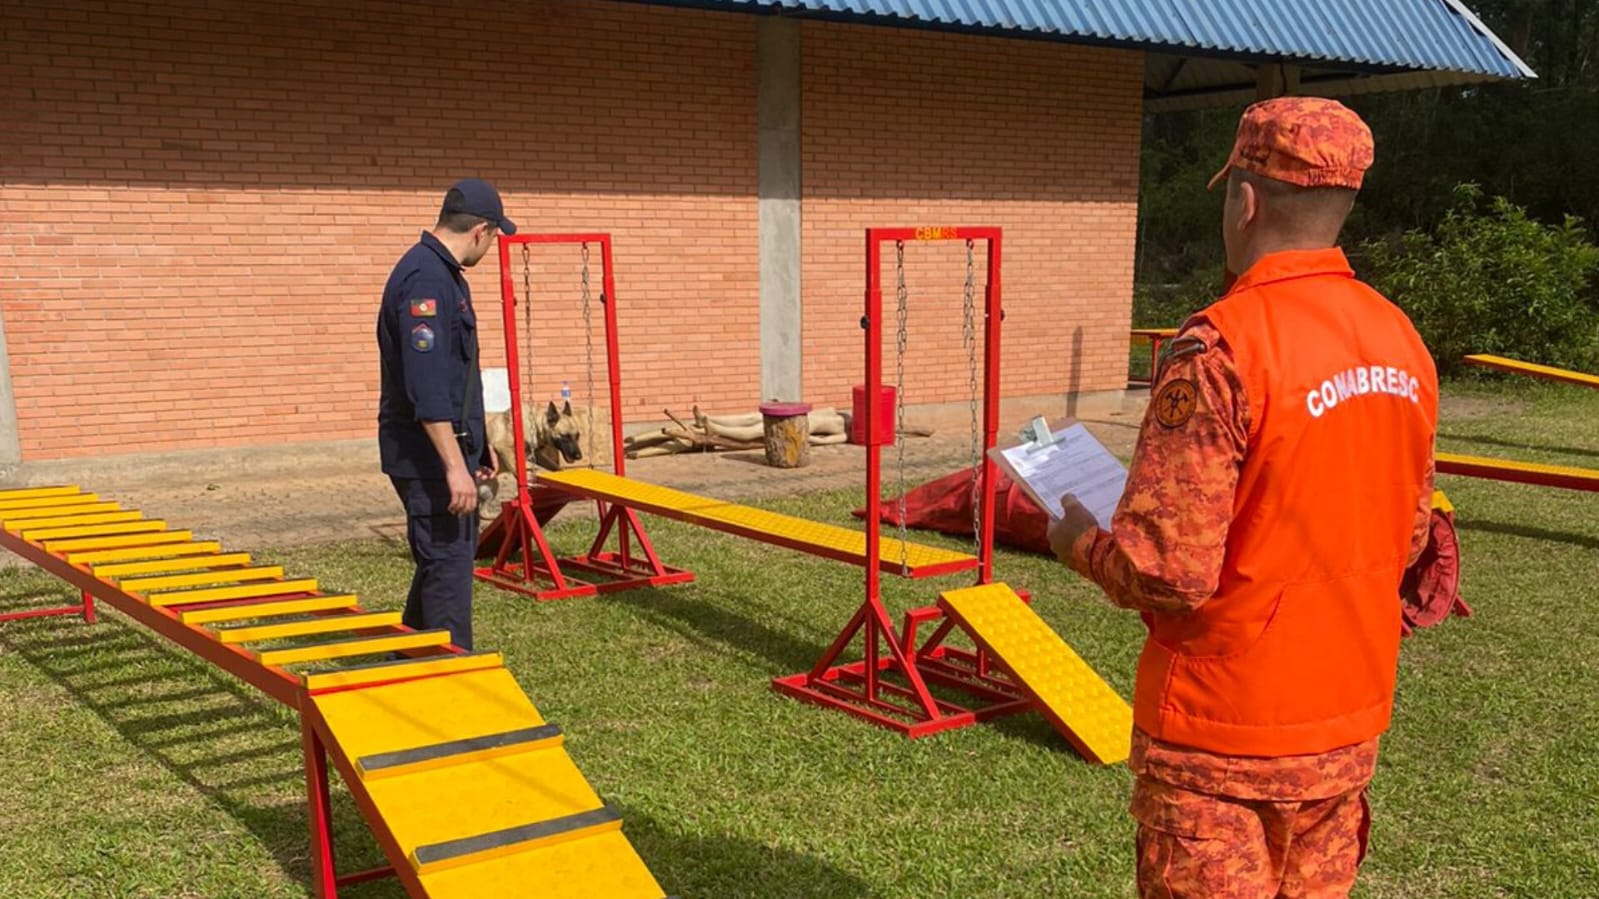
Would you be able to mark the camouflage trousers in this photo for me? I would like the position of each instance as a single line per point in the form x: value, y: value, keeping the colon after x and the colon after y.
x: 1200, y: 846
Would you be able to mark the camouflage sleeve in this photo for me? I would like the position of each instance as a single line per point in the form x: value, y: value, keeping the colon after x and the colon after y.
x: 1169, y: 533
x: 1422, y: 532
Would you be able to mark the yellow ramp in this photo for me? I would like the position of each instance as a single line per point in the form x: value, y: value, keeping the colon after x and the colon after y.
x: 477, y: 792
x: 1086, y: 711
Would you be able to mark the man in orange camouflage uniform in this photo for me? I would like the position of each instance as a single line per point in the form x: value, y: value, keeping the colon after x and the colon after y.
x: 1266, y: 512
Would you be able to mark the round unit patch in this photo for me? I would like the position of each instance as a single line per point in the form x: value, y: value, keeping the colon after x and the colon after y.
x: 1174, y: 403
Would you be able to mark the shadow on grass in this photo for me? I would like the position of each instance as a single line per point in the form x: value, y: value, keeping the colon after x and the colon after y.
x: 707, y: 624
x: 1531, y: 533
x: 1523, y: 445
x: 234, y: 747
x: 727, y: 867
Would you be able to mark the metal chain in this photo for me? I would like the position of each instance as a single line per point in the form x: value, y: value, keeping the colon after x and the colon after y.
x: 899, y: 398
x: 526, y: 375
x: 970, y: 340
x: 588, y: 343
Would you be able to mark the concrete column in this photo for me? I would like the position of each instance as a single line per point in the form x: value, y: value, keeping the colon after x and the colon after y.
x: 10, y: 436
x: 777, y: 60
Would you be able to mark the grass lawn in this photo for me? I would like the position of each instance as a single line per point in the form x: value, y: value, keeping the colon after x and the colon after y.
x: 135, y: 770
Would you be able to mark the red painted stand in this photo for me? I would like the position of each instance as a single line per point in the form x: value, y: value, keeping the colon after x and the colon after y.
x: 84, y: 608
x: 890, y: 686
x: 522, y: 558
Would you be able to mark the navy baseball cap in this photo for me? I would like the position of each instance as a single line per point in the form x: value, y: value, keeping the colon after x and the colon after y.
x: 475, y: 196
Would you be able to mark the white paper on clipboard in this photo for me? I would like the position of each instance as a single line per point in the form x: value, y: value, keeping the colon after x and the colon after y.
x: 1071, y: 462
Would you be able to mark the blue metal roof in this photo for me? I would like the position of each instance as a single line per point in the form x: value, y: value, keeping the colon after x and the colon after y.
x: 1365, y: 35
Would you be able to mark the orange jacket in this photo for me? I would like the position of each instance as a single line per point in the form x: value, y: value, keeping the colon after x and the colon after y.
x: 1296, y: 652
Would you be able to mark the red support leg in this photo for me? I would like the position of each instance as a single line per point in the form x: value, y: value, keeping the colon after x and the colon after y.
x: 88, y: 607
x: 319, y: 810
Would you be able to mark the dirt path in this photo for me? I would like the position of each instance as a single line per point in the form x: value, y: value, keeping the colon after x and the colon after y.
x: 261, y: 499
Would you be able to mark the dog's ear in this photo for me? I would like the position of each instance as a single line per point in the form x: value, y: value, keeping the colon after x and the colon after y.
x: 566, y: 408
x: 550, y: 415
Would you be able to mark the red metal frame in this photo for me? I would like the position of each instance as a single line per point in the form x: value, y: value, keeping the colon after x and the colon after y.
x: 860, y: 688
x: 523, y: 557
x: 275, y: 681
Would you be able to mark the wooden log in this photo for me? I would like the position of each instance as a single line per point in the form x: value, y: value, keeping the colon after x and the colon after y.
x: 787, y: 430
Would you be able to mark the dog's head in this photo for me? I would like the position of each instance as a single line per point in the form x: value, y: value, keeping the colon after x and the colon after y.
x: 559, y: 440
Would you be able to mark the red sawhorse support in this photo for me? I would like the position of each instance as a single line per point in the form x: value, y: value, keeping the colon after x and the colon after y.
x: 522, y: 560
x: 863, y: 688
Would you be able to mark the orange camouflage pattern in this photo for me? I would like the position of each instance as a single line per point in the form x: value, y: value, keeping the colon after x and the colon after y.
x: 1169, y: 533
x: 1307, y: 141
x: 1193, y: 845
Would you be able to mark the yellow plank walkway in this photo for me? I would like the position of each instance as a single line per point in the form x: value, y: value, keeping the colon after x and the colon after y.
x: 826, y: 540
x: 1086, y: 711
x: 1563, y: 476
x: 1532, y: 369
x: 474, y: 790
x: 478, y: 791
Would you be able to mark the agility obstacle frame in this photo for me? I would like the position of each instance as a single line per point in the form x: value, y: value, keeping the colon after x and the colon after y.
x: 892, y: 685
x: 861, y: 688
x: 522, y: 560
x: 410, y: 737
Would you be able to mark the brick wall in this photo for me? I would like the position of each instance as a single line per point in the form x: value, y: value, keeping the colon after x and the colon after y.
x: 199, y: 203
x: 907, y: 128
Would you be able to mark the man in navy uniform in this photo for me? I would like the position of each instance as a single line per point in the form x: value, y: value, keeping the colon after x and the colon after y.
x: 430, y: 414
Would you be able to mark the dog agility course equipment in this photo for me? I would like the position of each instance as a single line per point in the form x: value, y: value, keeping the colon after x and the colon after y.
x: 521, y: 557
x: 1019, y: 664
x: 468, y: 790
x: 1563, y: 476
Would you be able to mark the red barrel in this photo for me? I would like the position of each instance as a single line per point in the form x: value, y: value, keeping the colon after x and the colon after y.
x: 885, y: 415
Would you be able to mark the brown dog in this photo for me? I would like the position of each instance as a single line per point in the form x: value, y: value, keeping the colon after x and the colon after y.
x: 555, y: 439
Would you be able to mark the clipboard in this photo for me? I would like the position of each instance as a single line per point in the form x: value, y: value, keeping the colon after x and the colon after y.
x: 1048, y: 463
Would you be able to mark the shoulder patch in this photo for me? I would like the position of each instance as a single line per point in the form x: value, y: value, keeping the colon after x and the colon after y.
x: 424, y: 308
x: 422, y: 339
x: 1174, y: 403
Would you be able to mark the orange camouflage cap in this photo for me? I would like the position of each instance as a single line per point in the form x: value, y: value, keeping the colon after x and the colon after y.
x: 1308, y: 141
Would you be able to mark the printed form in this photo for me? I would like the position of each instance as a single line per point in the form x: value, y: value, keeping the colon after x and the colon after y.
x: 1070, y: 462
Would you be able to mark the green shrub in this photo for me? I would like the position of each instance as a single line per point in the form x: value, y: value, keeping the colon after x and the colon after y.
x: 1488, y: 279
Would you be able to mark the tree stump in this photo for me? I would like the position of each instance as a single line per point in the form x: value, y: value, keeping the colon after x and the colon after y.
x: 787, y: 430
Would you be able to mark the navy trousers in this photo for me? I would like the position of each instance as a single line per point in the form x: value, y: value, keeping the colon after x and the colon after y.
x: 442, y: 545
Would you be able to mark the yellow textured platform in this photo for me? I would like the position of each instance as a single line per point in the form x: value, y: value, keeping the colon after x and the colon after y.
x: 601, y: 865
x: 813, y: 537
x: 1532, y: 369
x: 1097, y: 721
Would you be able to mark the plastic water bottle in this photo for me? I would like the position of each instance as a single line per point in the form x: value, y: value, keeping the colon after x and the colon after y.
x: 566, y: 392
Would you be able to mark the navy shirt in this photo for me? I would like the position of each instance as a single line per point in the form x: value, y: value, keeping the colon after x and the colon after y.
x: 427, y: 342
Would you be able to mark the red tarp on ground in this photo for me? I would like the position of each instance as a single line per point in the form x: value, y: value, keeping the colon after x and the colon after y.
x: 1430, y: 591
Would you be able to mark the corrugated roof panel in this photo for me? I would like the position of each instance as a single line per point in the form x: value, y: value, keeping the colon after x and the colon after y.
x: 1391, y: 35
